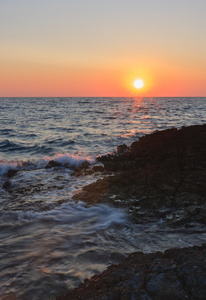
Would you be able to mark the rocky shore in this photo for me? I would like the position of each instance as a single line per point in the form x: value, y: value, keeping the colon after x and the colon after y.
x: 176, y: 274
x: 160, y: 177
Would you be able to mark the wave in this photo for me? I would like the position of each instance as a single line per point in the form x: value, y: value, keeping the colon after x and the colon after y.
x: 12, y: 146
x: 7, y: 132
x: 60, y: 142
x: 7, y: 145
x: 5, y: 166
x: 93, y: 218
x: 67, y: 160
x: 46, y: 148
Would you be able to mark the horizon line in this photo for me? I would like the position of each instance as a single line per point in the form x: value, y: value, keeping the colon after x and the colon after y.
x: 103, y: 96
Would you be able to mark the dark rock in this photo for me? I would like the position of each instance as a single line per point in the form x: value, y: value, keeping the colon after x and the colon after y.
x: 53, y: 164
x: 98, y: 169
x: 83, y: 169
x: 85, y: 165
x: 165, y: 170
x: 7, y: 185
x: 163, y: 175
x: 11, y: 173
x: 176, y: 274
x: 94, y: 192
x: 122, y: 149
x: 9, y: 296
x: 165, y: 285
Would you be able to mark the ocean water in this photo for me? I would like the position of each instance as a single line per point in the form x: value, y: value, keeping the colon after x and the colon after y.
x: 48, y: 242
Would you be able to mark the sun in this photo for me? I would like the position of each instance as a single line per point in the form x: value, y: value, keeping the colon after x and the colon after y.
x: 138, y: 83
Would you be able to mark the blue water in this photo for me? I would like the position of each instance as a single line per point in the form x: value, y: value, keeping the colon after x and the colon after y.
x: 33, y: 127
x: 49, y: 243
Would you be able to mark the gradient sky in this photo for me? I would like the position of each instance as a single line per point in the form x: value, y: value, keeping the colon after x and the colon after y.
x: 98, y: 48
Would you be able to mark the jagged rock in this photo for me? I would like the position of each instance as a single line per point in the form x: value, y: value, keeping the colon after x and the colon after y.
x: 176, y: 274
x: 165, y: 170
x: 163, y: 175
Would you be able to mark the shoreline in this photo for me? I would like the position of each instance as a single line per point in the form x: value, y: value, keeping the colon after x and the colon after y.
x: 175, y: 274
x: 160, y: 177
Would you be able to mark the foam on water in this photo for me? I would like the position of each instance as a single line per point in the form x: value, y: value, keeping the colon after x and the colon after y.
x: 72, y: 160
x: 102, y: 216
x: 66, y: 244
x: 5, y: 166
x: 46, y: 253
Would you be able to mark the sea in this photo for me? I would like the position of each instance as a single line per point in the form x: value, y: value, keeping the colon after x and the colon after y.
x: 50, y: 243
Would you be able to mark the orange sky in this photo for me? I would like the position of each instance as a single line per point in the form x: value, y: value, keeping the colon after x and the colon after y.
x: 88, y: 48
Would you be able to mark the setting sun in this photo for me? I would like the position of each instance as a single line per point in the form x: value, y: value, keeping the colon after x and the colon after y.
x: 138, y: 83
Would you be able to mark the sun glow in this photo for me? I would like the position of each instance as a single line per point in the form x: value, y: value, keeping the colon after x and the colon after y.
x: 138, y: 83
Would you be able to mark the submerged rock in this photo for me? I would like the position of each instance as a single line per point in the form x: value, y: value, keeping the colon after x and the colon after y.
x: 11, y: 173
x: 176, y: 274
x: 163, y: 175
x: 7, y: 185
x: 53, y: 164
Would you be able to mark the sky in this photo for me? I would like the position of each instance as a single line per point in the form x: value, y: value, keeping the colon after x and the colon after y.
x: 94, y: 48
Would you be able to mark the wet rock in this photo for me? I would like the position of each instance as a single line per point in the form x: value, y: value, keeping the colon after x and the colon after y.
x: 11, y: 173
x: 165, y: 286
x: 9, y: 296
x: 85, y: 165
x: 86, y: 169
x: 122, y: 149
x: 95, y: 192
x: 53, y: 164
x: 7, y: 185
x: 83, y: 169
x: 175, y: 274
x: 98, y: 169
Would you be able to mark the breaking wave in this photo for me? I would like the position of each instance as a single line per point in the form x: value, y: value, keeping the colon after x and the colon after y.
x: 68, y: 160
x: 5, y: 166
x: 71, y: 160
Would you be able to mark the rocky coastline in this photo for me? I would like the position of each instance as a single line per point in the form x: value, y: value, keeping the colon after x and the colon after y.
x: 160, y: 177
x: 176, y: 274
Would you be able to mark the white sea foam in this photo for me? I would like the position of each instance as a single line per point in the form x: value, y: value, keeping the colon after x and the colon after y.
x: 5, y: 166
x: 72, y: 160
